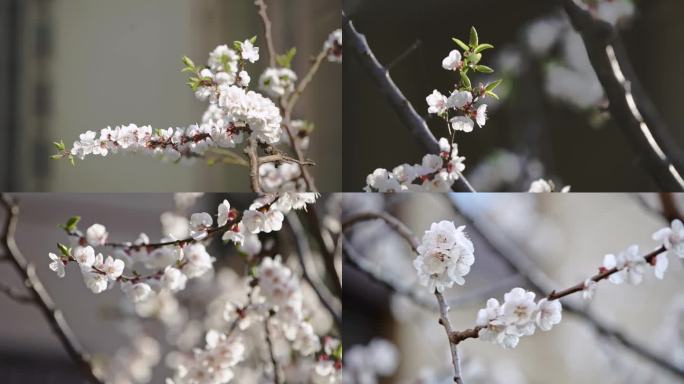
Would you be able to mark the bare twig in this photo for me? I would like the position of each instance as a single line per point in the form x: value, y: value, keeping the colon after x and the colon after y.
x: 268, y: 35
x: 304, y: 252
x: 40, y: 296
x: 294, y: 97
x: 453, y: 347
x: 630, y: 106
x: 280, y: 158
x: 251, y: 151
x: 416, y: 44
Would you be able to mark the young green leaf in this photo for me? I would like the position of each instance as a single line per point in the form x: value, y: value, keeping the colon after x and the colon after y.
x: 461, y: 44
x: 491, y: 86
x: 483, y: 69
x: 492, y: 94
x: 253, y: 39
x: 285, y: 60
x: 482, y: 47
x: 474, y: 42
x: 63, y: 249
x: 188, y: 63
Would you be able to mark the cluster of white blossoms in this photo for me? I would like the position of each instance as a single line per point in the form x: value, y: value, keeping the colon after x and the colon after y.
x: 518, y: 316
x: 171, y: 262
x: 281, y: 177
x: 435, y: 173
x: 445, y: 256
x: 213, y: 364
x: 277, y: 82
x: 461, y: 108
x: 367, y: 363
x: 233, y: 113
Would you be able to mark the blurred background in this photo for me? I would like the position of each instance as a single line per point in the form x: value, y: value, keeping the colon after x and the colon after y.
x: 137, y: 337
x: 565, y: 236
x: 552, y: 109
x: 68, y: 66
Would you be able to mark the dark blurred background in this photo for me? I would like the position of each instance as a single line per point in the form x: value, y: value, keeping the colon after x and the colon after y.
x: 68, y: 66
x: 578, y: 146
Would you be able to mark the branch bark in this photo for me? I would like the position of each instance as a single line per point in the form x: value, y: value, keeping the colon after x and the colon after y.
x: 630, y: 106
x: 40, y: 296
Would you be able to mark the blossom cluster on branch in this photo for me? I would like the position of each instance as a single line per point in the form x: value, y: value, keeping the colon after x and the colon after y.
x: 234, y: 115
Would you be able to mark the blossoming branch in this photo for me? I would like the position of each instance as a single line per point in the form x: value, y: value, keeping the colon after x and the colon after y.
x: 235, y: 115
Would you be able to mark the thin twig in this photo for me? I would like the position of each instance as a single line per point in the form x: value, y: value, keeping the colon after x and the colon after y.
x: 40, y: 295
x: 280, y: 158
x: 294, y: 97
x: 269, y: 342
x: 304, y: 251
x: 268, y: 35
x: 453, y: 347
x: 416, y: 44
x: 630, y: 106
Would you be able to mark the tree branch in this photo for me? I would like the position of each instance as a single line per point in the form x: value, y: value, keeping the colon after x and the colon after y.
x: 40, y: 296
x: 304, y: 251
x: 632, y: 109
x: 403, y: 108
x: 268, y: 35
x: 534, y: 277
x: 251, y: 151
x: 15, y: 294
x: 453, y: 347
x: 269, y: 343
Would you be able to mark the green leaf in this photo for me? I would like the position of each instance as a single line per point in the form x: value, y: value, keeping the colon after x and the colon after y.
x: 491, y: 86
x: 188, y: 62
x: 285, y: 60
x: 253, y: 39
x: 461, y: 44
x: 237, y: 45
x: 337, y: 354
x: 492, y: 94
x: 56, y: 157
x: 465, y: 80
x: 482, y: 47
x: 474, y: 58
x: 59, y: 145
x: 72, y: 161
x: 483, y: 69
x: 72, y: 222
x: 474, y: 42
x: 64, y: 250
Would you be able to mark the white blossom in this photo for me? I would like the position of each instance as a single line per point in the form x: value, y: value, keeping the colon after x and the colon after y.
x: 630, y: 266
x: 199, y: 224
x: 84, y: 256
x: 462, y: 123
x: 589, y: 289
x: 437, y: 103
x: 249, y: 52
x: 223, y: 213
x: 333, y: 45
x: 548, y: 314
x: 136, y: 292
x: 277, y: 82
x: 96, y: 235
x: 453, y: 61
x: 459, y: 99
x: 444, y: 256
x: 672, y: 238
x: 57, y: 265
x: 173, y: 279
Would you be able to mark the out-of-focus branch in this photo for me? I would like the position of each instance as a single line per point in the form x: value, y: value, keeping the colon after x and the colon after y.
x: 304, y: 254
x: 39, y: 294
x: 630, y: 106
x: 536, y: 279
x: 669, y: 209
x: 15, y: 294
x: 268, y: 35
x: 274, y: 362
x: 326, y: 246
x: 407, y: 114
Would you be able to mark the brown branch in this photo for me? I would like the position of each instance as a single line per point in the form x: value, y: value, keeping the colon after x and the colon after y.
x: 268, y: 35
x: 40, y: 296
x: 280, y: 158
x: 453, y: 347
x: 251, y: 151
x: 669, y: 209
x: 407, y: 114
x: 631, y: 107
x: 304, y: 251
x: 516, y: 260
x: 394, y: 223
x: 294, y: 97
